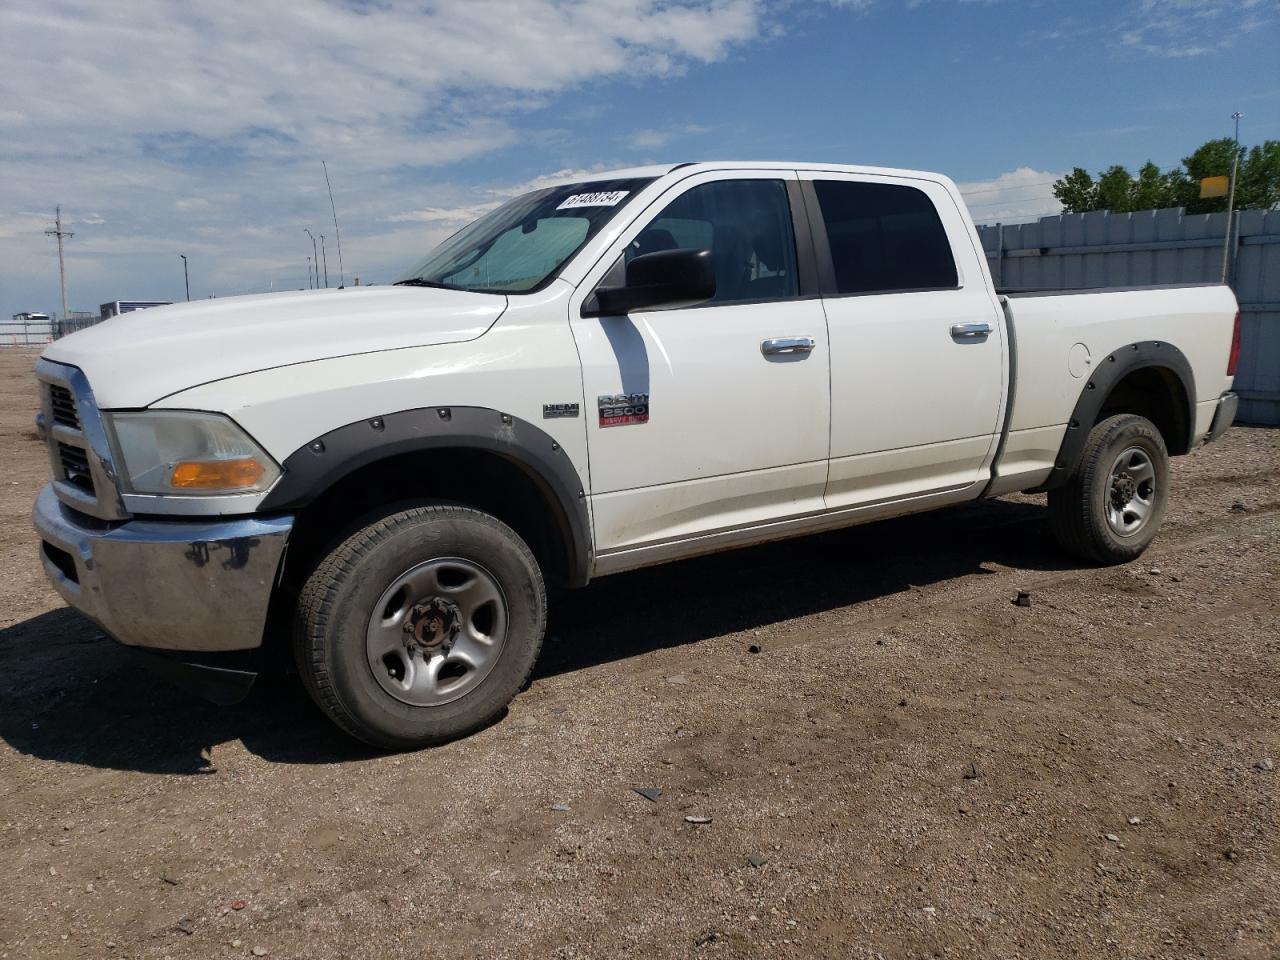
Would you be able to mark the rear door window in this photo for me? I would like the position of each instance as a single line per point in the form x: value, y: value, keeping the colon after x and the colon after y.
x: 884, y: 237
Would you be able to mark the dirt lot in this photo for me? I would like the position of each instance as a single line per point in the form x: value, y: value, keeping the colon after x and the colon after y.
x: 911, y: 766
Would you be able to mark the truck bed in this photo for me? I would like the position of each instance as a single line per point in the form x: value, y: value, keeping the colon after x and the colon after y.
x: 1060, y: 337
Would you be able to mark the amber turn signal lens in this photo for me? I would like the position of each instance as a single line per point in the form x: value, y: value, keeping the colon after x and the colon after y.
x: 216, y: 474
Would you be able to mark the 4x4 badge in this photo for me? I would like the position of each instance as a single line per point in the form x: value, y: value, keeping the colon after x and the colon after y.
x: 621, y: 409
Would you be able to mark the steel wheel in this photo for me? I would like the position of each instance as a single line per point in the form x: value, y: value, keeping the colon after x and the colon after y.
x: 437, y: 631
x: 1131, y: 495
x: 1110, y: 508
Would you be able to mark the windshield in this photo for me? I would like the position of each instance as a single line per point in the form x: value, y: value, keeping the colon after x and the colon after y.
x: 522, y: 244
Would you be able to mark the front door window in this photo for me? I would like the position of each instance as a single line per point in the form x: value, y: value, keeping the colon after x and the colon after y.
x: 746, y: 224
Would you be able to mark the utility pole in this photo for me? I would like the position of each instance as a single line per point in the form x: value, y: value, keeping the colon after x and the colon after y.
x: 309, y: 286
x: 325, y: 256
x: 58, y: 232
x: 186, y: 279
x: 315, y: 256
x: 342, y: 275
x: 1231, y: 201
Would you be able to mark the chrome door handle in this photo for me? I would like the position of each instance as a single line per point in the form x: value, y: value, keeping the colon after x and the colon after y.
x: 971, y: 331
x: 785, y: 345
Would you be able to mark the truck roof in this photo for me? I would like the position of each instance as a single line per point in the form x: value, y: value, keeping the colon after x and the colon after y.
x: 662, y: 169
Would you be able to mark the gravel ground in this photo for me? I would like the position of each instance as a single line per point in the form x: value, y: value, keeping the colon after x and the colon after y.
x: 910, y: 766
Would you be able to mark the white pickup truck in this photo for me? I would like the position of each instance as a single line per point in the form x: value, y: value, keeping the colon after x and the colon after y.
x: 644, y: 366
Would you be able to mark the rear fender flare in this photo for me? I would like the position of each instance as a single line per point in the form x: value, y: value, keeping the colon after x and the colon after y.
x: 1102, y: 380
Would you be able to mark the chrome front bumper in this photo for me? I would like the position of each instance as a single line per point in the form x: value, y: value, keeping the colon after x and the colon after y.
x: 165, y: 584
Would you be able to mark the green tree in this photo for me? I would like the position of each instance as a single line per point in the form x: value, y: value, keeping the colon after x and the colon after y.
x: 1257, y: 182
x: 1115, y: 190
x: 1151, y: 189
x: 1077, y: 192
x: 1212, y: 159
x: 1180, y: 189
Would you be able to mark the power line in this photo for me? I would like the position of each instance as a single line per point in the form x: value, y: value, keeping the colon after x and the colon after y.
x: 1012, y: 186
x: 1002, y: 203
x: 1012, y: 219
x: 1039, y: 183
x: 58, y: 232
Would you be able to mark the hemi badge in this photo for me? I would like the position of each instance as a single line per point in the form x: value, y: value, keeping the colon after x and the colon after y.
x: 551, y: 411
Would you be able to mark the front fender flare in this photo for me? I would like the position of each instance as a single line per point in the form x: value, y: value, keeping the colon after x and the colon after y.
x: 316, y: 466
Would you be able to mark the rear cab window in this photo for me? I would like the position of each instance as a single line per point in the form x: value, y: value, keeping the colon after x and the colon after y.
x: 883, y: 238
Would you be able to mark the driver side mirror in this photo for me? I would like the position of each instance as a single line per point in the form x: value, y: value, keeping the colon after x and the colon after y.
x: 668, y: 278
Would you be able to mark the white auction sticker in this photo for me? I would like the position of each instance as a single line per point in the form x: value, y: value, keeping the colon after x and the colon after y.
x: 606, y: 199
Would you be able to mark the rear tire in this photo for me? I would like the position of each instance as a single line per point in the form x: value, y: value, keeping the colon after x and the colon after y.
x: 420, y: 626
x: 1111, y: 508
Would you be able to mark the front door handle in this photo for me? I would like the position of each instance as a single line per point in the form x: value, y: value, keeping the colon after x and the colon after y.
x: 971, y: 331
x: 787, y: 345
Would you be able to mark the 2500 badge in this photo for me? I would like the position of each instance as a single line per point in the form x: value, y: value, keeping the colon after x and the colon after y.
x: 621, y: 409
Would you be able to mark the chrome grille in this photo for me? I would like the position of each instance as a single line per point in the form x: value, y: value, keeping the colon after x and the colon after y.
x: 79, y: 455
x: 63, y: 407
x: 75, y: 467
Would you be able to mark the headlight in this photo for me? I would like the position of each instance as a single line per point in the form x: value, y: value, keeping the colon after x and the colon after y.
x: 187, y: 453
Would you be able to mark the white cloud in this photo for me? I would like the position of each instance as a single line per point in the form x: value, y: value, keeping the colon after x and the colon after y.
x: 1021, y: 194
x: 553, y: 179
x: 201, y: 127
x: 464, y: 214
x: 323, y: 74
x: 1192, y: 28
x: 19, y: 223
x: 446, y: 215
x: 657, y: 139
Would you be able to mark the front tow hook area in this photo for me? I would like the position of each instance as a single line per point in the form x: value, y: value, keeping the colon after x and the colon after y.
x: 221, y: 679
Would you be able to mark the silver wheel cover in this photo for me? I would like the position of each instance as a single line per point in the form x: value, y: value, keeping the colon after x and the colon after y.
x: 1131, y: 492
x: 437, y: 631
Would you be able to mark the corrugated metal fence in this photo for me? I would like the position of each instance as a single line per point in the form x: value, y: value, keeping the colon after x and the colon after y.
x: 38, y: 332
x: 1105, y: 249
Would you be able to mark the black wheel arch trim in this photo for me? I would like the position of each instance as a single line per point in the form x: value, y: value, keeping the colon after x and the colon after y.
x: 316, y: 466
x: 1108, y: 372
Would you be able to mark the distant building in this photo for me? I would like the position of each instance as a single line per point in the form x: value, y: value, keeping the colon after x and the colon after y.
x: 117, y: 307
x: 31, y: 317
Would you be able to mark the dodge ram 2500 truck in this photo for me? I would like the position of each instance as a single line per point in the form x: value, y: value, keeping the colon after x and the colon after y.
x: 644, y: 366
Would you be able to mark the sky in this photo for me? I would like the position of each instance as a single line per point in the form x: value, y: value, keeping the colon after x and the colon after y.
x: 167, y: 128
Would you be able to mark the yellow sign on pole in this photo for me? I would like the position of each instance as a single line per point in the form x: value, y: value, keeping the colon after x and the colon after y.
x: 1214, y: 187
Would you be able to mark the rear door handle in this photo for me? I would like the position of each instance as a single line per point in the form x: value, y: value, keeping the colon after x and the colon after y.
x: 785, y: 345
x: 971, y: 331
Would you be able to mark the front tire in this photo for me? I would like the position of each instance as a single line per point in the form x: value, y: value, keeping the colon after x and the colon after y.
x: 1111, y: 508
x: 420, y: 626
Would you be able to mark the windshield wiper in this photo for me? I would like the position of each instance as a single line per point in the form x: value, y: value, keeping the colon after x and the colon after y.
x: 419, y: 282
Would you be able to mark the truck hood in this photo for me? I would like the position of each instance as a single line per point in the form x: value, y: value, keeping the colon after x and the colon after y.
x: 135, y: 359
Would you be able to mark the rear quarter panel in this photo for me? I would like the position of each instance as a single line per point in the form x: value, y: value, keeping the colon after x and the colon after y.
x: 1195, y: 319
